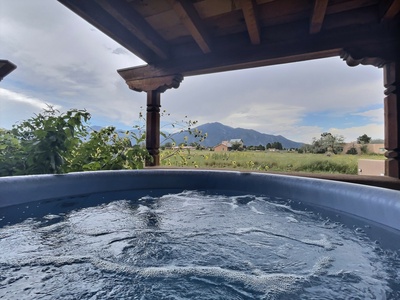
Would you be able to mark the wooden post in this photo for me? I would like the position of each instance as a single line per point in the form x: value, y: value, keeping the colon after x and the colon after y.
x: 392, y: 118
x: 390, y: 61
x: 153, y: 127
x: 154, y: 86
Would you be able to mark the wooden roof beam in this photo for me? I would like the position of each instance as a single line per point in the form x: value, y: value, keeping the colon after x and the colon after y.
x: 219, y: 63
x: 392, y: 11
x: 137, y: 25
x: 376, y: 41
x: 252, y: 23
x: 318, y: 15
x: 192, y: 21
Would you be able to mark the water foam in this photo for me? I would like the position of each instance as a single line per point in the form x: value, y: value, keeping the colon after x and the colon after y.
x: 277, y: 283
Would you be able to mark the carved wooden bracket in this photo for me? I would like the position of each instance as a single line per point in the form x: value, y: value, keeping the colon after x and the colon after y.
x: 355, y: 57
x: 159, y: 84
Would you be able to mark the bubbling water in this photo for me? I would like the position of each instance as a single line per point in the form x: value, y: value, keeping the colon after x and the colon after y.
x: 193, y: 245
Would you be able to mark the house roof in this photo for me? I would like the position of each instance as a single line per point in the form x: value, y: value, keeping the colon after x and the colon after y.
x: 191, y: 37
x: 225, y: 143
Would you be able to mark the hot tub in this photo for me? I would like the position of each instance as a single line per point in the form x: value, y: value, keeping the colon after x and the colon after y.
x: 135, y: 212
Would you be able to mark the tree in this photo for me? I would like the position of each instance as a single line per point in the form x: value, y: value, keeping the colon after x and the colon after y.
x: 11, y: 154
x: 328, y: 143
x: 107, y: 150
x: 46, y: 139
x: 276, y: 145
x: 363, y: 139
x: 260, y: 147
x: 352, y: 151
x: 237, y: 146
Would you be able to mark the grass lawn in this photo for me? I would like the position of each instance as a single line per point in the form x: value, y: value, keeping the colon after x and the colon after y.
x: 266, y: 161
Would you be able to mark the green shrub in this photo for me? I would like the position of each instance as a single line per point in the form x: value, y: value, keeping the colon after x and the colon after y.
x: 46, y: 139
x: 352, y: 151
x: 327, y: 167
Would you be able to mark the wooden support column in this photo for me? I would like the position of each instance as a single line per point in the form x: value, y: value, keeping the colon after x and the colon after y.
x: 153, y: 86
x: 392, y: 118
x: 391, y: 73
x: 153, y: 127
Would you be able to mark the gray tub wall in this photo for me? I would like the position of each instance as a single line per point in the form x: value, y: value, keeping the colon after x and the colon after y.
x: 377, y: 204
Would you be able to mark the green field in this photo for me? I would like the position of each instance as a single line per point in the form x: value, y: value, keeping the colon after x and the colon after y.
x: 265, y: 161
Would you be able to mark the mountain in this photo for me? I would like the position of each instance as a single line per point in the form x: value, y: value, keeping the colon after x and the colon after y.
x: 217, y: 132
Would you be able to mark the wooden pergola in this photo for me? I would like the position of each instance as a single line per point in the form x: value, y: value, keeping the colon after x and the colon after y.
x: 178, y: 38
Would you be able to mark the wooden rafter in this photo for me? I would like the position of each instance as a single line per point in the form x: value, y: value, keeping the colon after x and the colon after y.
x: 192, y: 21
x: 392, y: 11
x: 137, y: 25
x: 318, y: 15
x: 252, y: 23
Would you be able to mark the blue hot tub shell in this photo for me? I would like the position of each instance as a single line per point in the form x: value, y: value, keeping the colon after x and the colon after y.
x: 376, y: 204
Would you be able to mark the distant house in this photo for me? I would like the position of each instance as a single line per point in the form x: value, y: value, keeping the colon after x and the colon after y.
x: 221, y: 148
x: 371, y: 148
x: 227, y: 145
x: 377, y: 148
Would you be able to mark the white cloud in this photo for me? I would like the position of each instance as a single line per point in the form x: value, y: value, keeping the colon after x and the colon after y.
x: 376, y: 131
x: 17, y: 107
x: 374, y: 115
x: 10, y: 96
x: 273, y: 116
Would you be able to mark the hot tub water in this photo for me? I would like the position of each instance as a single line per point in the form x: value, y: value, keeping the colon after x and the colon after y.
x: 191, y: 245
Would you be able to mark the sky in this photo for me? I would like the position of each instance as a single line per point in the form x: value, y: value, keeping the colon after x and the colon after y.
x: 64, y: 61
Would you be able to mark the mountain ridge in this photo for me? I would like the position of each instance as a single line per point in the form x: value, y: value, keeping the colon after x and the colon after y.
x: 218, y: 132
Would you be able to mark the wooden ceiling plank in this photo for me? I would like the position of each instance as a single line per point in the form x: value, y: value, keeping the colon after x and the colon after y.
x: 212, y: 8
x: 283, y: 11
x: 137, y: 25
x: 252, y: 23
x: 318, y: 15
x: 341, y: 6
x: 192, y: 21
x: 392, y: 11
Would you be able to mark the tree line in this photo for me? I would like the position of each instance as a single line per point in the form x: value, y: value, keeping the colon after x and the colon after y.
x: 329, y: 143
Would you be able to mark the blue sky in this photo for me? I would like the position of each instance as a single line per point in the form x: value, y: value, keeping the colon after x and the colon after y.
x: 330, y: 119
x: 64, y: 61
